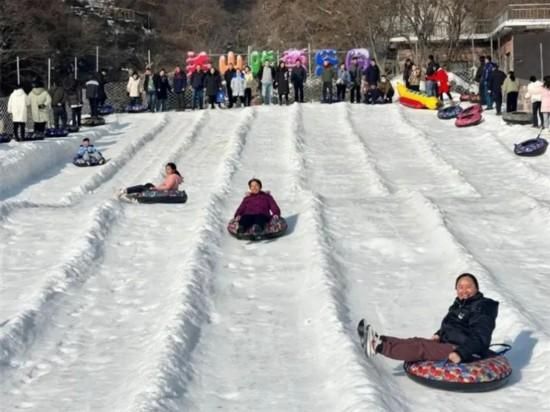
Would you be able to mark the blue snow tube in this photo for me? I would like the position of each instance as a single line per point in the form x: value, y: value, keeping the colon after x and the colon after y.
x: 53, y: 132
x: 449, y: 112
x: 531, y: 147
x: 5, y: 137
x: 481, y: 375
x: 136, y: 108
x: 105, y: 110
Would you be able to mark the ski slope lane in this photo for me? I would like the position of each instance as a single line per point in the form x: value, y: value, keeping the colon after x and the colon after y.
x: 107, y: 332
x: 403, y: 159
x: 79, y: 227
x: 483, y: 162
x: 271, y: 317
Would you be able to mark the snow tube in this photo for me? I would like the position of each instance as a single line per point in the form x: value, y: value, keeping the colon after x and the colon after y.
x: 470, y: 97
x: 136, y: 108
x: 5, y: 137
x: 153, y: 196
x: 531, y: 147
x: 275, y: 228
x: 478, y: 376
x: 93, y: 121
x: 414, y: 104
x: 476, y: 108
x: 449, y: 112
x: 106, y: 109
x: 52, y: 132
x: 430, y: 102
x: 89, y: 163
x: 471, y: 119
x: 32, y: 136
x: 518, y: 117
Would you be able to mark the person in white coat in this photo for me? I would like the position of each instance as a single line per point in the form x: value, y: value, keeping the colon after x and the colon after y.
x: 135, y: 89
x: 534, y: 95
x: 238, y: 86
x: 41, y: 104
x: 18, y: 104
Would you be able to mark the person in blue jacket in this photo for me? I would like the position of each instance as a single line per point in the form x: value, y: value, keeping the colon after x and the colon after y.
x: 486, y: 77
x: 88, y: 154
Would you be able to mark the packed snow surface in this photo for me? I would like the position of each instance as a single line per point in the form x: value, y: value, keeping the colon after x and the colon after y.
x: 110, y: 306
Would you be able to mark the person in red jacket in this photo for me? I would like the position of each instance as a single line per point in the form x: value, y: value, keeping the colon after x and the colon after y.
x: 442, y: 80
x: 256, y: 209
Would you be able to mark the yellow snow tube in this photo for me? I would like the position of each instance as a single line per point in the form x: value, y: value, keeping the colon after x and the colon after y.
x: 430, y: 102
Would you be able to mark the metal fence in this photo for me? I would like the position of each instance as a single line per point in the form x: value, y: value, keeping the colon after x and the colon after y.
x: 117, y: 97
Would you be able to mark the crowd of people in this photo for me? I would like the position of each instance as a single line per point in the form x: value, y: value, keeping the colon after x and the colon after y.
x: 236, y: 87
x: 495, y: 86
x: 43, y: 106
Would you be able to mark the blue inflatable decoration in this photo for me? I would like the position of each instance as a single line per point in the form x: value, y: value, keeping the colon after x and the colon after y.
x: 449, y: 112
x: 325, y: 55
x: 52, y: 132
x: 531, y: 147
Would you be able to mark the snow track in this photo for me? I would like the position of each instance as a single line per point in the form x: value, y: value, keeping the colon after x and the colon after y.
x: 109, y: 306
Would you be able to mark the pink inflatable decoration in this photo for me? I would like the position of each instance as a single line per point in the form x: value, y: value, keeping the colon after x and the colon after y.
x: 292, y: 55
x: 193, y: 60
x: 363, y: 58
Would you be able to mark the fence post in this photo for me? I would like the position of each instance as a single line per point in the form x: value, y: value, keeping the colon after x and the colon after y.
x: 541, y: 62
x: 49, y: 73
x: 149, y: 57
x: 309, y: 59
x: 18, y: 72
x: 75, y: 67
x: 97, y: 59
x: 249, y: 52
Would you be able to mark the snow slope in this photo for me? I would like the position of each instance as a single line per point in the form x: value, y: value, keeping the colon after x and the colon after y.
x: 108, y: 306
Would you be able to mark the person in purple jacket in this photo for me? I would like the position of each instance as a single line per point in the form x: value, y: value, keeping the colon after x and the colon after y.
x: 256, y: 209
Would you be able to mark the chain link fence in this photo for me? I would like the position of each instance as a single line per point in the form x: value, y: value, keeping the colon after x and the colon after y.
x: 117, y: 97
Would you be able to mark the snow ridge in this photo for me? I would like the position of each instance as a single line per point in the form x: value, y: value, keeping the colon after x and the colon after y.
x: 19, y: 333
x: 192, y: 309
x: 334, y: 316
x: 515, y: 310
x: 436, y: 155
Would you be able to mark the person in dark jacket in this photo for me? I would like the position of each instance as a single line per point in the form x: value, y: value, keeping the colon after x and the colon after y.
x: 431, y: 69
x: 494, y: 86
x: 298, y: 77
x: 102, y: 95
x: 227, y: 77
x: 59, y: 98
x: 180, y: 84
x: 150, y: 86
x: 464, y: 335
x: 213, y: 84
x: 479, y: 79
x: 74, y: 98
x: 197, y: 83
x: 372, y: 74
x: 407, y: 69
x: 327, y: 77
x: 355, y: 75
x: 92, y: 94
x: 485, y: 78
x: 163, y: 87
x: 282, y: 82
x: 256, y: 209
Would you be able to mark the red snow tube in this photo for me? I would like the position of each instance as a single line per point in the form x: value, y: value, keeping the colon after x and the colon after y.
x: 479, y: 376
x: 469, y: 117
x: 470, y: 120
x: 414, y: 104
